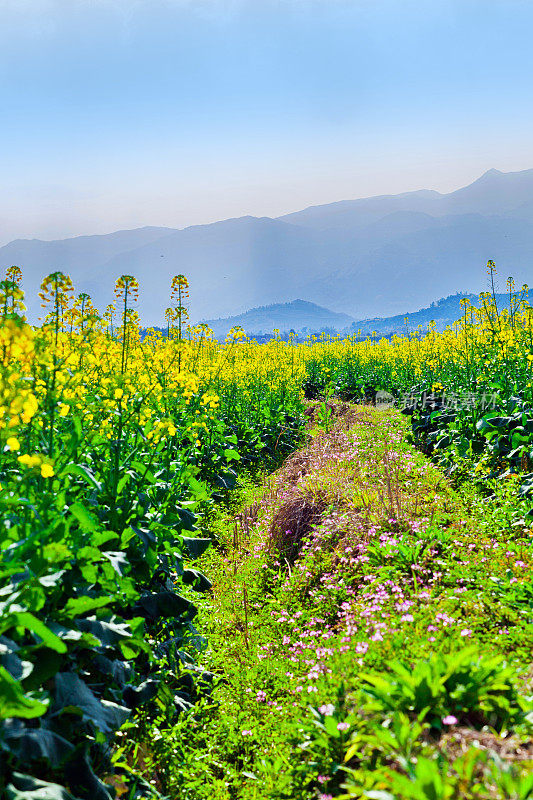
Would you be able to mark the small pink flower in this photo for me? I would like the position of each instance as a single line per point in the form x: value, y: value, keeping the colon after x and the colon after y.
x: 343, y: 726
x: 466, y: 632
x: 449, y: 720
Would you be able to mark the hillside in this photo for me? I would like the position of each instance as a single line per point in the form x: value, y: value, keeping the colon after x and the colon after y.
x: 299, y: 316
x: 377, y: 255
x: 305, y: 318
x: 442, y: 312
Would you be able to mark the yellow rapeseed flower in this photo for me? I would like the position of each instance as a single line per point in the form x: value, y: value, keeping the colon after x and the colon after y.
x: 47, y: 471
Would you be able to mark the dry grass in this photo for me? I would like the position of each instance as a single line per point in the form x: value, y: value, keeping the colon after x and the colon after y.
x: 293, y: 520
x: 311, y: 481
x: 347, y: 478
x: 456, y: 743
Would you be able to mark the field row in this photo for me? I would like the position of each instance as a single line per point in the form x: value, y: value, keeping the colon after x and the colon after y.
x: 117, y: 443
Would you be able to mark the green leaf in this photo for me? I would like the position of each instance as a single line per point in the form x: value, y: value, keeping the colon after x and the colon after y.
x: 46, y: 665
x: 36, y: 744
x: 25, y: 787
x: 135, y: 696
x: 330, y: 724
x: 147, y: 537
x: 187, y: 518
x: 88, y: 523
x: 195, y: 547
x: 143, y: 472
x: 109, y: 633
x: 48, y: 581
x: 13, y: 701
x: 81, y: 472
x: 197, y: 580
x: 164, y: 604
x: 117, y: 559
x: 72, y: 694
x: 26, y: 620
x: 80, y: 605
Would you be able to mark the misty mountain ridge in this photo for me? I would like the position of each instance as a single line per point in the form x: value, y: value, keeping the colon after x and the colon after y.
x: 306, y: 318
x: 442, y: 313
x: 365, y: 258
x: 299, y: 316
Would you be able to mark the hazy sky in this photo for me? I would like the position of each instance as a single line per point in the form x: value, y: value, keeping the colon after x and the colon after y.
x: 121, y: 113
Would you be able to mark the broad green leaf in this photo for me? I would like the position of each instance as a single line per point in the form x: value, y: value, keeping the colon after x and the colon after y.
x: 194, y: 548
x: 117, y: 559
x: 80, y: 605
x: 26, y: 620
x: 52, y: 579
x: 109, y: 633
x: 45, y: 667
x: 26, y: 787
x: 135, y: 696
x: 143, y: 472
x: 197, y: 580
x: 13, y: 701
x: 72, y: 693
x: 165, y: 604
x: 36, y: 744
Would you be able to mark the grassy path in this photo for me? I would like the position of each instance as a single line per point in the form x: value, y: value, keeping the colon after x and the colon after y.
x: 370, y: 633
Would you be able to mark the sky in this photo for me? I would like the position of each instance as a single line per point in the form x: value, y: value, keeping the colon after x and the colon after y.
x: 123, y: 113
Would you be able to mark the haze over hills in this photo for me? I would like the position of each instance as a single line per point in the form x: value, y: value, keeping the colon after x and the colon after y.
x: 441, y: 313
x: 299, y: 316
x: 307, y: 318
x: 370, y: 257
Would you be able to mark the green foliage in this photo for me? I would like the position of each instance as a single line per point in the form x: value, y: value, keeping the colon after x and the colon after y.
x: 477, y: 690
x: 98, y: 589
x: 310, y: 699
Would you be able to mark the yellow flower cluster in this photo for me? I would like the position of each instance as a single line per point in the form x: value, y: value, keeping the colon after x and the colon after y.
x: 45, y: 467
x: 85, y: 372
x: 18, y: 404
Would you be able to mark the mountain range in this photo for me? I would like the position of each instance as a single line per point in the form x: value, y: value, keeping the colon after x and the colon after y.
x: 364, y: 258
x: 298, y: 315
x: 306, y: 318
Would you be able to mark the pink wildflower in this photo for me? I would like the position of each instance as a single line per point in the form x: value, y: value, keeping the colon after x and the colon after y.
x: 449, y: 720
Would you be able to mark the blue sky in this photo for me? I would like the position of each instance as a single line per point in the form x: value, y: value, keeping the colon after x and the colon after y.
x: 120, y: 113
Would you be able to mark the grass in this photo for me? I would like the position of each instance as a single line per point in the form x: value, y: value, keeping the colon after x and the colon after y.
x: 368, y: 633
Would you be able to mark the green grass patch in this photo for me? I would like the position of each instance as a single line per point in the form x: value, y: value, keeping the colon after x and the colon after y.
x: 388, y: 658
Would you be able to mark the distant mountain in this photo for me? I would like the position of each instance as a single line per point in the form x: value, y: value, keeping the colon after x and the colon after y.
x: 299, y: 316
x: 442, y: 312
x: 305, y: 318
x: 501, y: 193
x: 367, y: 257
x: 84, y: 258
